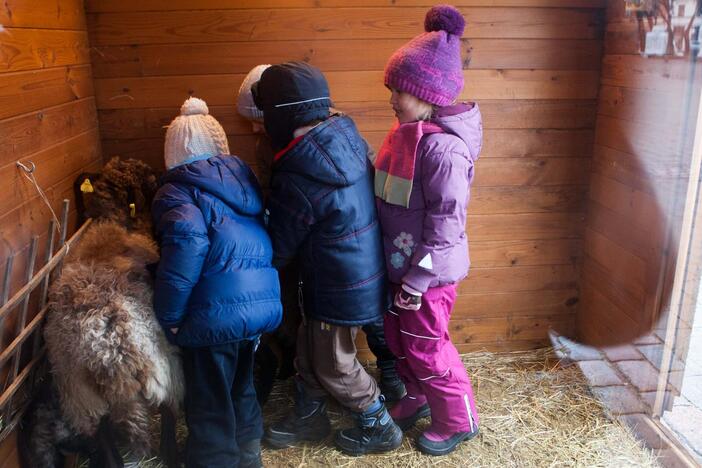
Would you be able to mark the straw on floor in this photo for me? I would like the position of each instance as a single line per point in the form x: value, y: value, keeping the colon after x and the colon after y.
x: 535, y: 412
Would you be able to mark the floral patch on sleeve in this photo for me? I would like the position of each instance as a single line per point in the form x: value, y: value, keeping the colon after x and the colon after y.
x: 404, y: 242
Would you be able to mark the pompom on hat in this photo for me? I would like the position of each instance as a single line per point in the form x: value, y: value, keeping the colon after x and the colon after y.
x: 429, y: 67
x: 245, y: 104
x: 193, y: 135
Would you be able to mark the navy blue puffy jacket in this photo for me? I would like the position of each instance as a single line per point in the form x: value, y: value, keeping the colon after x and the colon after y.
x: 322, y: 210
x: 215, y: 281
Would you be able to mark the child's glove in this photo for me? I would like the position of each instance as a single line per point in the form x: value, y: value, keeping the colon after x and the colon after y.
x: 408, y: 299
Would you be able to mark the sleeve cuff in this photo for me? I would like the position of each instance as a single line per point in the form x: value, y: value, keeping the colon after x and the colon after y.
x: 418, y: 279
x: 170, y: 323
x: 411, y: 290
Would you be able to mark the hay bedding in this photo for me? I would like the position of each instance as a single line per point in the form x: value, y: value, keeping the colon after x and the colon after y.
x: 534, y: 413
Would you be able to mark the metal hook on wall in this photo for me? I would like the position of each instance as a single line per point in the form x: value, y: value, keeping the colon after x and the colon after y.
x: 32, y: 167
x: 28, y: 174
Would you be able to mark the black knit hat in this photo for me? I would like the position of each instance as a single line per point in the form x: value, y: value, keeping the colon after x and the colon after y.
x: 291, y: 95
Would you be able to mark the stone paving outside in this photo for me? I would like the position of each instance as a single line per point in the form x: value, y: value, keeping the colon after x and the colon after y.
x: 685, y: 418
x: 625, y: 379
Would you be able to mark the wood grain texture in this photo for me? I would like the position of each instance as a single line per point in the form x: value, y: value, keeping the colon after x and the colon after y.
x: 28, y: 91
x: 525, y: 226
x: 30, y: 49
x: 44, y: 14
x: 519, y: 303
x: 533, y: 66
x: 361, y: 54
x: 29, y: 133
x: 517, y: 113
x: 501, y: 200
x: 219, y: 90
x: 520, y: 278
x: 487, y: 254
x: 532, y: 171
x: 98, y: 6
x: 158, y: 27
x: 505, y: 133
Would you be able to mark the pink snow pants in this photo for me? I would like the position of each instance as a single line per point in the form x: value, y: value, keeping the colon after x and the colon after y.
x: 429, y: 364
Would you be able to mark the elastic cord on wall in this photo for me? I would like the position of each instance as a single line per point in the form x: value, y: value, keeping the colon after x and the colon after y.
x: 28, y: 173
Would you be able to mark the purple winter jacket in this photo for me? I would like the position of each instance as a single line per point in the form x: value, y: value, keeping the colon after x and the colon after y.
x: 426, y: 244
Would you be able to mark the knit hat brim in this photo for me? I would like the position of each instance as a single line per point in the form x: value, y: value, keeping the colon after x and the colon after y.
x: 429, y: 66
x: 405, y: 85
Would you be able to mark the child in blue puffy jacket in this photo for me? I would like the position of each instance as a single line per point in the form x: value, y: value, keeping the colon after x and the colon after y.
x: 216, y: 291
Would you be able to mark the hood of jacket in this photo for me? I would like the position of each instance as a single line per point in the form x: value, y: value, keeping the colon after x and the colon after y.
x: 332, y: 153
x: 225, y: 177
x: 464, y: 121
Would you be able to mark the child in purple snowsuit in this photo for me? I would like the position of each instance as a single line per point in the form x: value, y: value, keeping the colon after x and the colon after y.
x: 423, y: 174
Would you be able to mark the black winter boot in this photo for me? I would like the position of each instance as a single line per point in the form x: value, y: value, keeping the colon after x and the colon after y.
x: 307, y: 422
x: 250, y: 454
x: 390, y: 384
x: 376, y: 432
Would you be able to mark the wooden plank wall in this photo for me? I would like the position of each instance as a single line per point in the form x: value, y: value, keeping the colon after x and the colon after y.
x: 639, y: 177
x: 534, y: 68
x: 47, y: 116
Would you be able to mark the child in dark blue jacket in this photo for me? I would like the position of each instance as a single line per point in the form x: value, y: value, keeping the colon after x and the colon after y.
x: 216, y: 290
x: 321, y: 212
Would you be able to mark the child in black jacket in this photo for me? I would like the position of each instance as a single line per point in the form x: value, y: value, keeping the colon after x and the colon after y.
x: 321, y: 211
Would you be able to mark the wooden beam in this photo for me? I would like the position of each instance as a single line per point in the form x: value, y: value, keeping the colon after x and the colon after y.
x: 159, y: 27
x: 107, y: 6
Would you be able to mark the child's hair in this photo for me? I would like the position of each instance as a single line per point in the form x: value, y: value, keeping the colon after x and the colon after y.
x: 428, y: 113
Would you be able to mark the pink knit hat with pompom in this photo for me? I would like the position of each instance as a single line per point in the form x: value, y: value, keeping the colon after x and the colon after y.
x: 429, y: 66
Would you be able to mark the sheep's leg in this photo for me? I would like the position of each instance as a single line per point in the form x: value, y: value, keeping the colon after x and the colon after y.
x: 43, y: 432
x: 106, y: 454
x: 134, y: 418
x: 169, y: 446
x: 37, y: 445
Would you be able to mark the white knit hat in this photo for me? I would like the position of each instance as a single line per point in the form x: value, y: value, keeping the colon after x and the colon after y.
x: 193, y: 135
x: 244, y: 101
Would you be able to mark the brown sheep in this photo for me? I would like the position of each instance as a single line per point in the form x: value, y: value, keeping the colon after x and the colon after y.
x: 107, y: 352
x: 111, y: 365
x: 121, y: 192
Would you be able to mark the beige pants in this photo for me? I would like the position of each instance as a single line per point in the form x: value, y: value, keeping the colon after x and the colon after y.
x: 326, y: 364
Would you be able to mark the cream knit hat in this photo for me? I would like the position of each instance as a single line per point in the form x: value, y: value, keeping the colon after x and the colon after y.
x: 244, y: 101
x: 193, y: 135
